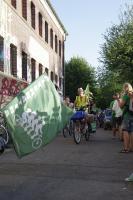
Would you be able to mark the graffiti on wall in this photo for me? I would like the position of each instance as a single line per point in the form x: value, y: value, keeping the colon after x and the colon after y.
x: 9, y: 88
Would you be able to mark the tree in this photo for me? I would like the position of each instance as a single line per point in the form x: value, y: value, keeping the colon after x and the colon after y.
x: 117, y: 50
x: 108, y: 84
x: 116, y: 58
x: 78, y: 73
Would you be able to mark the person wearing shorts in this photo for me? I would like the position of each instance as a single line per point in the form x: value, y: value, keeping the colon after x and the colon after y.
x: 117, y: 119
x: 130, y: 123
x: 124, y: 104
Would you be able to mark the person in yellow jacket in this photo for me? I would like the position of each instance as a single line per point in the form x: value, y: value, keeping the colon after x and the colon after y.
x: 81, y: 100
x: 81, y: 103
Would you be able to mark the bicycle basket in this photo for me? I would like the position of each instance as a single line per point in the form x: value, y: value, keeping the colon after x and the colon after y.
x: 78, y: 115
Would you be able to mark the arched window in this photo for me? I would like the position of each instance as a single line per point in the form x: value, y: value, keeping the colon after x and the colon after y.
x: 59, y: 48
x: 52, y: 76
x: 33, y: 69
x: 24, y: 9
x: 13, y: 59
x: 40, y: 69
x: 33, y: 12
x: 40, y: 24
x: 56, y: 44
x: 46, y: 32
x: 51, y: 38
x: 24, y: 66
x: 14, y: 3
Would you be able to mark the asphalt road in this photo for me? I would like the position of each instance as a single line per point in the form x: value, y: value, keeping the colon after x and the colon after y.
x: 65, y: 171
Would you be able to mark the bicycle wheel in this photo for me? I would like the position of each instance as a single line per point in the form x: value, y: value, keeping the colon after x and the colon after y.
x: 65, y: 132
x: 3, y: 138
x: 2, y: 145
x: 4, y: 134
x: 77, y: 133
x: 71, y: 128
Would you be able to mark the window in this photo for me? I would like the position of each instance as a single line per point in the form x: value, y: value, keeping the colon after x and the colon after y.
x: 52, y: 76
x: 63, y: 59
x: 24, y: 66
x: 59, y: 48
x: 1, y: 54
x: 46, y: 32
x: 33, y: 69
x: 46, y: 70
x: 14, y: 4
x: 24, y: 9
x: 33, y: 12
x: 40, y: 69
x: 13, y: 60
x: 60, y: 82
x: 56, y: 78
x: 51, y: 38
x: 40, y: 24
x: 56, y: 45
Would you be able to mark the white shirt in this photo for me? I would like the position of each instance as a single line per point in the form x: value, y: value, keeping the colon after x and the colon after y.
x: 117, y: 109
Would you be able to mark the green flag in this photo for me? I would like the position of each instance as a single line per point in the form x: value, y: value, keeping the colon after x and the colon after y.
x: 35, y: 116
x: 87, y: 92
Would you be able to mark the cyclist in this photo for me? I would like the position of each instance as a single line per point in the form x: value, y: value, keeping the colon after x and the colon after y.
x: 81, y: 103
x: 81, y: 100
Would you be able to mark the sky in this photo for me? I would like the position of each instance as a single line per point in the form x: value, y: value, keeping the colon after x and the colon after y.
x: 86, y: 21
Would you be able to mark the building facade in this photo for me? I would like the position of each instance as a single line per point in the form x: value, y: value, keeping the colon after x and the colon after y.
x: 31, y: 40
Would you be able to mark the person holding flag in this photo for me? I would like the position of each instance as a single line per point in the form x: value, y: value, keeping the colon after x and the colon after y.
x: 35, y: 116
x: 89, y: 95
x: 87, y: 92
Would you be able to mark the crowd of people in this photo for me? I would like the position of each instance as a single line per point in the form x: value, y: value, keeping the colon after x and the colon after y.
x: 83, y: 108
x: 122, y: 113
x: 122, y: 119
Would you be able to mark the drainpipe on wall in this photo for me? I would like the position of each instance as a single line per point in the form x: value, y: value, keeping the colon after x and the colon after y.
x: 64, y: 66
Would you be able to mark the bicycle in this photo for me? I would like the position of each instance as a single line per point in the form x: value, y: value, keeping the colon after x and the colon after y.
x: 4, y: 136
x: 68, y: 129
x: 79, y: 128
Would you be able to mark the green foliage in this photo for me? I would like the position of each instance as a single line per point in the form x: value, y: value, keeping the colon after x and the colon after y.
x: 116, y: 58
x: 117, y: 51
x: 78, y: 73
x: 108, y: 85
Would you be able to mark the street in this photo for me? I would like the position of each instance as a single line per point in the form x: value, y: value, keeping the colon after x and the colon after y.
x: 65, y: 171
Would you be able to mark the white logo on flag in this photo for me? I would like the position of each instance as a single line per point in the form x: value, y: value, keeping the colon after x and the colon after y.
x: 32, y: 125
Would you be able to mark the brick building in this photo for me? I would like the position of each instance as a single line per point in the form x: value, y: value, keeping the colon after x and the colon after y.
x: 31, y: 40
